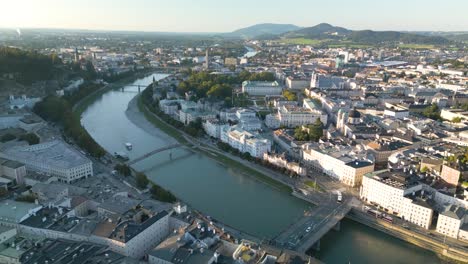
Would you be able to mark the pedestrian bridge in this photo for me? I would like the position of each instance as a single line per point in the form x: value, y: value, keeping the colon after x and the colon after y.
x: 151, y: 153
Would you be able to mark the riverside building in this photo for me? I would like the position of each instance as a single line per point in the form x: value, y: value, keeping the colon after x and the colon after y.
x: 344, y: 163
x: 245, y: 141
x: 400, y: 194
x: 54, y: 158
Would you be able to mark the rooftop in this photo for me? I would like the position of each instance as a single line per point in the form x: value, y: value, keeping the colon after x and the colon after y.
x: 69, y: 252
x: 13, y: 211
x: 455, y: 212
x: 395, y: 179
x: 125, y: 231
x: 56, y: 153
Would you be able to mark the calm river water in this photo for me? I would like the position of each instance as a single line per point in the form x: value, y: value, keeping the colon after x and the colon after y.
x: 228, y: 196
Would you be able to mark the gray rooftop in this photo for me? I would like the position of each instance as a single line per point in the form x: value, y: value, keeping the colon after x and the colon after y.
x: 13, y: 211
x: 56, y: 153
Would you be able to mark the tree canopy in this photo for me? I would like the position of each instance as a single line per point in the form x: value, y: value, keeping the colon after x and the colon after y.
x: 30, y: 66
x: 218, y: 86
x: 58, y: 110
x: 158, y: 193
x: 432, y: 112
x: 141, y: 180
x: 312, y: 132
x: 290, y: 96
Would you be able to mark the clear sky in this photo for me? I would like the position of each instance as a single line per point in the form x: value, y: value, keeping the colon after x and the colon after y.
x: 228, y: 15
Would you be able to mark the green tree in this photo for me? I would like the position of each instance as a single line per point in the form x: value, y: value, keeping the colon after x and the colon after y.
x: 312, y: 132
x: 290, y: 96
x: 219, y: 91
x: 7, y: 137
x: 141, y: 180
x: 123, y: 169
x: 432, y: 112
x: 158, y: 193
x: 27, y: 198
x: 316, y: 130
x: 29, y: 65
x: 58, y: 110
x: 31, y: 138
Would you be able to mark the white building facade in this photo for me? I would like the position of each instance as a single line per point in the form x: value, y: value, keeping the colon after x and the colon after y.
x: 245, y: 141
x: 339, y: 164
x: 54, y: 158
x: 255, y: 88
x: 396, y: 197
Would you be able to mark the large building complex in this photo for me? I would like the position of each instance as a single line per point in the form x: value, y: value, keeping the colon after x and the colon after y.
x: 292, y: 116
x: 245, y: 141
x: 340, y: 162
x: 400, y: 194
x: 55, y: 158
x: 257, y: 88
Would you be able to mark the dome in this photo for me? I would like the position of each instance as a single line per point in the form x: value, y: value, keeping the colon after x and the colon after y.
x: 354, y: 114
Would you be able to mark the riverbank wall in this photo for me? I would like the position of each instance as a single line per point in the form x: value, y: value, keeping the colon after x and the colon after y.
x: 445, y: 252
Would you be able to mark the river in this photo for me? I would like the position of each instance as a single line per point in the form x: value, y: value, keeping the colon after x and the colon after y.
x: 228, y: 196
x: 250, y: 52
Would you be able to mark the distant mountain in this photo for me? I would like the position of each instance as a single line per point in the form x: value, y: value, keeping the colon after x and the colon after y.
x: 369, y: 36
x: 320, y: 31
x: 327, y: 31
x: 461, y: 36
x: 264, y: 30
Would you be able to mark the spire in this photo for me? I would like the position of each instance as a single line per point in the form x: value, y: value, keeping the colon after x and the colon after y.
x: 207, y: 60
x: 76, y: 55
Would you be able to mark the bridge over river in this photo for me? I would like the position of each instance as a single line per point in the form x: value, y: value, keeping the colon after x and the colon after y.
x: 153, y: 152
x: 307, y: 231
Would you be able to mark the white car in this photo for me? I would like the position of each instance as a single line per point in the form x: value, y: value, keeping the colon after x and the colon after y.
x: 308, y: 229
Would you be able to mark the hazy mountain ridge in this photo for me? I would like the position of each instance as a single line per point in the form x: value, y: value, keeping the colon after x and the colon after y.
x: 327, y: 31
x: 264, y: 29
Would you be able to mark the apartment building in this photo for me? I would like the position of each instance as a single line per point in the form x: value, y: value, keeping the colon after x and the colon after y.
x: 282, y: 162
x: 213, y: 127
x: 451, y: 220
x: 245, y: 141
x: 341, y: 162
x: 399, y: 193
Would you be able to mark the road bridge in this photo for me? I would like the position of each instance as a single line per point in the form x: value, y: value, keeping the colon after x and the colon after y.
x: 308, y: 230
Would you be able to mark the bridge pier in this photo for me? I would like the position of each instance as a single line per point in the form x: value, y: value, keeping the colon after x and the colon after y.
x: 337, y: 227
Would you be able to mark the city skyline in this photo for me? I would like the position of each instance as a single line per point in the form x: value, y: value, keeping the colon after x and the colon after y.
x: 211, y: 16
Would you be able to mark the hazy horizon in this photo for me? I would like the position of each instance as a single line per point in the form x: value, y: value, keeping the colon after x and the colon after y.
x: 211, y: 16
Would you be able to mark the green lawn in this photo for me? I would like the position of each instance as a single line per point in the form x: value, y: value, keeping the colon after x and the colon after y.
x: 348, y: 44
x: 313, y: 185
x: 300, y: 41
